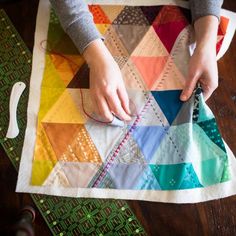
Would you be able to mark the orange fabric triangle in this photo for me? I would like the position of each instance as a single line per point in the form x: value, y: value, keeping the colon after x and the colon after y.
x: 170, y: 79
x: 150, y: 68
x: 223, y: 25
x: 66, y: 66
x: 60, y: 135
x: 71, y: 143
x: 99, y: 16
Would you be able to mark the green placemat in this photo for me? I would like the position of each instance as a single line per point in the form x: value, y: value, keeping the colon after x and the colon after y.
x: 64, y: 216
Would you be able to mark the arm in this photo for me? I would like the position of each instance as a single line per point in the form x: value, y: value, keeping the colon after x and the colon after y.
x: 203, y: 63
x: 106, y: 83
x: 76, y: 21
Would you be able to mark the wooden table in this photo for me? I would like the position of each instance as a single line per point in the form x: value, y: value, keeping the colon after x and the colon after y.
x: 210, y: 218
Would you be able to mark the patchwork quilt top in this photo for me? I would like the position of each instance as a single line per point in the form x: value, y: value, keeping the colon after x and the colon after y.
x: 171, y: 151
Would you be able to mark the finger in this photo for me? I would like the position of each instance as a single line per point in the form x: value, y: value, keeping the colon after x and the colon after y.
x: 123, y: 96
x: 104, y: 110
x: 115, y: 106
x: 189, y: 87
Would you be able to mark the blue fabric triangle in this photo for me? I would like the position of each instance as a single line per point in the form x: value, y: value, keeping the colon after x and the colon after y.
x: 149, y: 138
x: 169, y: 103
x: 148, y: 180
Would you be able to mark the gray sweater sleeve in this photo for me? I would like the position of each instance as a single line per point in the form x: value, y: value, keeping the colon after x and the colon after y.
x: 200, y: 8
x: 78, y: 23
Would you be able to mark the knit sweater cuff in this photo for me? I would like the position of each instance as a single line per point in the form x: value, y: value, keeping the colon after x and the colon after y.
x: 83, y: 33
x: 202, y: 8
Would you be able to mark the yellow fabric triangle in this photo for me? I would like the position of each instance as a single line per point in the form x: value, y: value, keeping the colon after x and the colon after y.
x: 102, y: 28
x: 51, y: 77
x: 44, y: 158
x: 40, y: 171
x: 48, y: 97
x: 64, y: 110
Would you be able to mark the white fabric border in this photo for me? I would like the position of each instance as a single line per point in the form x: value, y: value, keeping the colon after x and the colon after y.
x: 24, y: 176
x: 38, y: 66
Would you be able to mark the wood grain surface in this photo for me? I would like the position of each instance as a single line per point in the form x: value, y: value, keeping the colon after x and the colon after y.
x: 211, y: 218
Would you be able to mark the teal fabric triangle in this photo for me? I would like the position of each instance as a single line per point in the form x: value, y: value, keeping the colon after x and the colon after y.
x: 177, y: 176
x: 212, y: 131
x: 169, y: 103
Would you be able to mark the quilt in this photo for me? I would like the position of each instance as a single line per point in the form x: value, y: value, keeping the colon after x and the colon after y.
x: 170, y: 152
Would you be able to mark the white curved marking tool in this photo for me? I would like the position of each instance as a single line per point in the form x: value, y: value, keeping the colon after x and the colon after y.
x: 16, y: 92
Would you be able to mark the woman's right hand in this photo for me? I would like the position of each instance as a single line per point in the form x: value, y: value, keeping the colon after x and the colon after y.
x: 107, y: 87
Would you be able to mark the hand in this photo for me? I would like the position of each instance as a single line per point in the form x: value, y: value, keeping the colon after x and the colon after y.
x: 203, y: 63
x: 106, y: 84
x: 203, y: 69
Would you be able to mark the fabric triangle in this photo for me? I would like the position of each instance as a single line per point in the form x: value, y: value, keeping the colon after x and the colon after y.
x: 121, y: 61
x: 163, y: 31
x: 44, y: 157
x: 77, y: 95
x: 104, y: 137
x: 99, y: 17
x: 66, y: 66
x: 102, y: 28
x: 150, y: 46
x: 51, y: 77
x: 212, y: 131
x: 130, y: 35
x: 130, y: 153
x: 64, y: 111
x: 149, y: 138
x: 71, y: 143
x: 126, y: 176
x: 212, y: 162
x: 169, y: 14
x: 150, y: 68
x: 49, y: 96
x: 180, y: 53
x: 223, y: 25
x: 219, y: 44
x: 153, y: 116
x: 174, y: 177
x: 169, y: 103
x: 131, y: 15
x: 112, y: 11
x: 132, y: 77
x: 171, y: 78
x: 81, y: 78
x: 148, y: 180
x: 151, y: 12
x: 60, y: 136
x: 114, y: 43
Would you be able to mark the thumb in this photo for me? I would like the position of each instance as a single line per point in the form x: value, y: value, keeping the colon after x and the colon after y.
x: 189, y: 87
